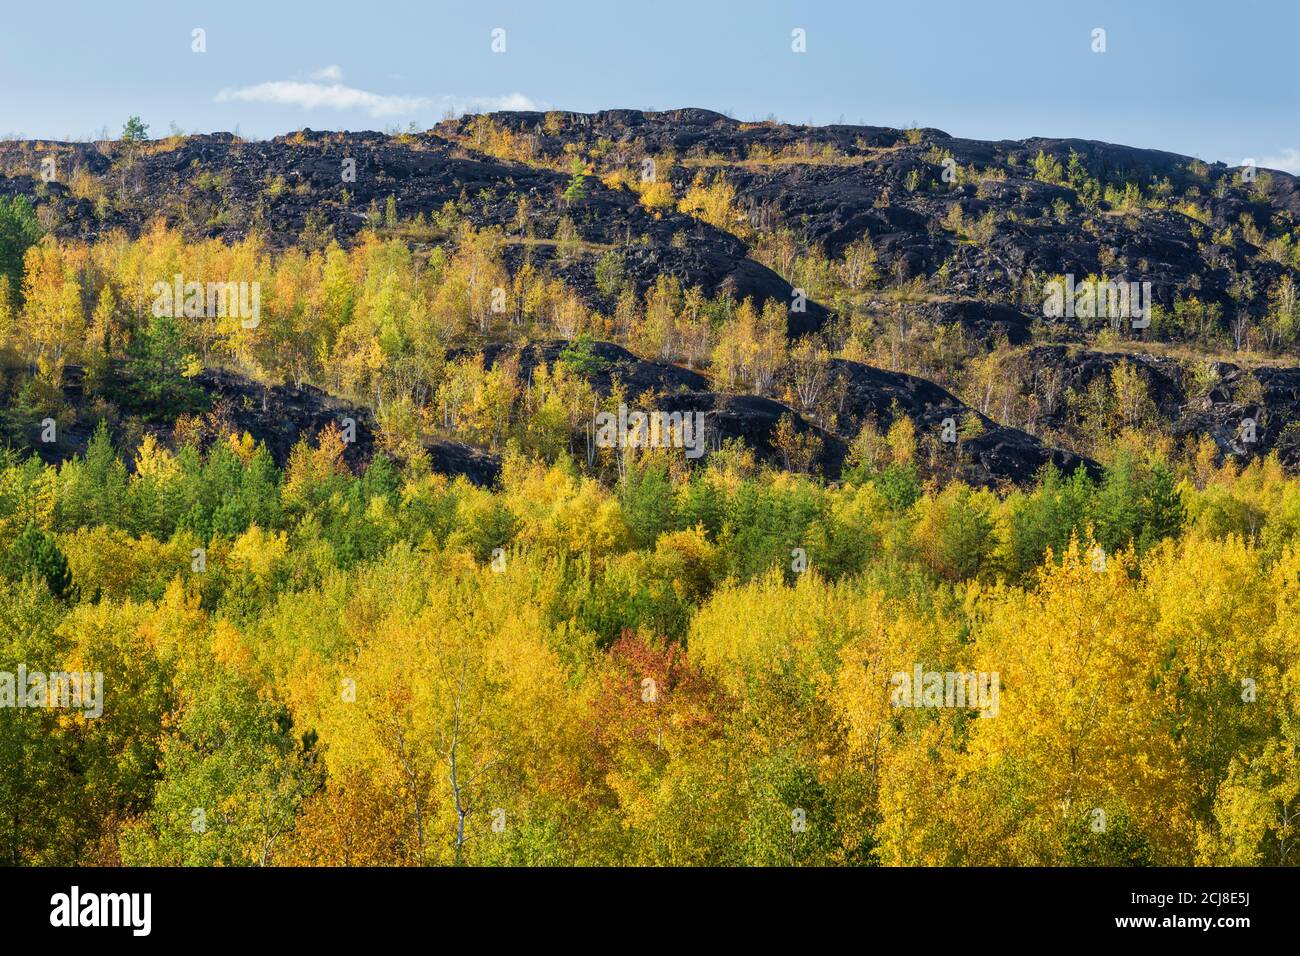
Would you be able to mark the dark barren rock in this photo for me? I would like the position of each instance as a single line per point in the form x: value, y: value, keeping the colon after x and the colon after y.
x: 1268, y: 397
x: 997, y: 454
x: 281, y: 415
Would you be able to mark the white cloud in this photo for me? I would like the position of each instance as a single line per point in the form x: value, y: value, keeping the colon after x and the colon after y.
x: 1288, y: 161
x: 488, y: 104
x: 315, y: 94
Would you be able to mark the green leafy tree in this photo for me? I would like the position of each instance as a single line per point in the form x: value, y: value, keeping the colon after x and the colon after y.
x: 158, y: 367
x: 609, y: 274
x: 577, y: 188
x: 34, y: 787
x: 1047, y: 168
x: 19, y: 231
x: 235, y: 775
x: 580, y: 356
x: 93, y: 488
x: 135, y: 130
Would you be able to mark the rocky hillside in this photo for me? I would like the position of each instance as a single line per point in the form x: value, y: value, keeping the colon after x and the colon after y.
x: 963, y: 234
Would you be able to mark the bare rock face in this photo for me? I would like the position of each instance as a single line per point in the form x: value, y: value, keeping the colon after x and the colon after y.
x: 986, y: 323
x: 1076, y: 370
x: 281, y: 415
x: 1250, y: 412
x: 754, y: 420
x: 987, y: 454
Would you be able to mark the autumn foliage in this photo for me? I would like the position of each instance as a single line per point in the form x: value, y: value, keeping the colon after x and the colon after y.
x: 352, y: 678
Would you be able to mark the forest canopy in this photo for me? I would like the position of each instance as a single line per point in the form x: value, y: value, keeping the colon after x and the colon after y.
x: 312, y: 666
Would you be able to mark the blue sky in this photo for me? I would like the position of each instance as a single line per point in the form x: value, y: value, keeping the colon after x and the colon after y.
x: 1207, y: 79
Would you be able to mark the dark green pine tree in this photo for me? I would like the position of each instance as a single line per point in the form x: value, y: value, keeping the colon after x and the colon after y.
x: 35, y: 553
